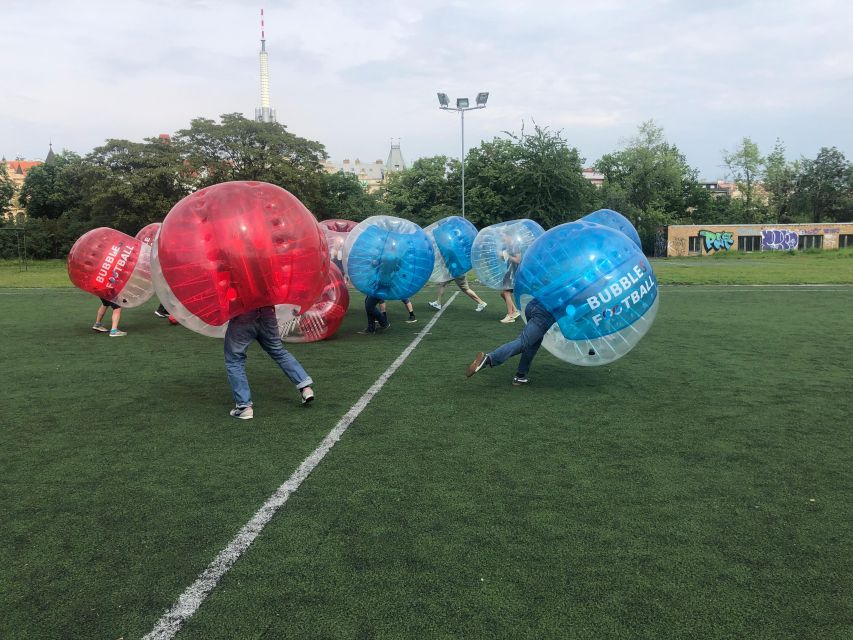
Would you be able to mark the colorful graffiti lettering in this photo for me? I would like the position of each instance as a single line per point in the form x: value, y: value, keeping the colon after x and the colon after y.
x: 779, y: 240
x: 716, y: 240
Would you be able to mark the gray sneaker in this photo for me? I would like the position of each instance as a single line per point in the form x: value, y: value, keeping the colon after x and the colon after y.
x: 99, y: 327
x: 435, y: 304
x: 243, y: 413
x: 115, y: 333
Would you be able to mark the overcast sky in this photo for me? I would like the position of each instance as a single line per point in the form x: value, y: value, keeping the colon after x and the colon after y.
x: 354, y: 75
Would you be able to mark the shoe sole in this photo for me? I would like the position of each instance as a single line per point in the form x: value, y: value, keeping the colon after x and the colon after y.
x: 308, y: 400
x: 479, y: 363
x: 100, y: 330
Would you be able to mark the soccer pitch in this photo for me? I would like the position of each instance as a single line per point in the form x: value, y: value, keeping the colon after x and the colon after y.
x: 697, y: 488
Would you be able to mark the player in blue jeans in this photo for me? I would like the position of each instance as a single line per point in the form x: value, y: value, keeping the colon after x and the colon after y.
x: 539, y: 320
x: 261, y: 325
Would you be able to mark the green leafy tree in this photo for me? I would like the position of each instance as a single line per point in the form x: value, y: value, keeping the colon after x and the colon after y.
x: 53, y: 188
x: 241, y: 149
x: 130, y: 184
x: 7, y: 190
x: 650, y: 182
x: 746, y: 167
x: 343, y: 196
x: 825, y: 189
x: 780, y: 183
x: 534, y: 175
x: 425, y: 192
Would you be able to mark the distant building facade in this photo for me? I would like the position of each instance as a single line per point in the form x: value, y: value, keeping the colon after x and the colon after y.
x: 596, y: 178
x: 371, y: 175
x: 696, y: 240
x: 17, y: 170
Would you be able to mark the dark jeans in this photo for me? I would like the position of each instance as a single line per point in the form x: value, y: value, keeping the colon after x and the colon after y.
x: 374, y: 315
x: 539, y: 320
x: 260, y: 325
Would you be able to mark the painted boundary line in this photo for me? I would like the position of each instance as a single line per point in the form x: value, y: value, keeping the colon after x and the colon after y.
x: 192, y: 598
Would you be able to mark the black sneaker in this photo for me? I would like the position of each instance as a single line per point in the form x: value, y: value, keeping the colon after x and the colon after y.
x: 519, y: 380
x: 160, y: 314
x: 412, y: 319
x: 367, y: 332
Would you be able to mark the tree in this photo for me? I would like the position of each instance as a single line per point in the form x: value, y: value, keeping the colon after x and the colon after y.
x: 242, y: 149
x: 745, y: 165
x: 425, y: 192
x: 128, y: 185
x: 826, y: 186
x: 650, y: 182
x: 343, y: 196
x: 527, y: 175
x: 780, y: 183
x: 52, y: 188
x: 7, y: 190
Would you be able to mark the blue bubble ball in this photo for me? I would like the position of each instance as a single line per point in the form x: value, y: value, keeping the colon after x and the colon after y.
x: 597, y: 284
x: 452, y: 238
x: 388, y: 257
x: 497, y: 248
x: 614, y: 220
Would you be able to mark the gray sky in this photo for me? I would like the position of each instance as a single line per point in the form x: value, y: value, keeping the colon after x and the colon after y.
x: 353, y: 75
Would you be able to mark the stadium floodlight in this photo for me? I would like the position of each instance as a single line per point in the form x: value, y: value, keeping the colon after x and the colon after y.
x: 462, y: 107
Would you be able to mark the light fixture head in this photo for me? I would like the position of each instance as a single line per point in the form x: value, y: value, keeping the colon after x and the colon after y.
x: 482, y: 97
x: 442, y: 100
x: 461, y: 103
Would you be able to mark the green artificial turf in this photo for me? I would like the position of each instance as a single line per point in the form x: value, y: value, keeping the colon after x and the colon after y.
x: 769, y: 267
x: 697, y: 488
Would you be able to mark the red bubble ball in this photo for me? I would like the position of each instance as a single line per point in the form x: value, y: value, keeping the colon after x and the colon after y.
x: 323, y: 319
x: 234, y: 247
x: 113, y: 266
x: 148, y: 233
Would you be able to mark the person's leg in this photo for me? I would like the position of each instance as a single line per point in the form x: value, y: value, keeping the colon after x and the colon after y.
x: 439, y: 293
x: 115, y: 319
x: 238, y: 336
x: 506, y: 294
x: 372, y: 312
x: 270, y: 342
x: 99, y: 317
x: 411, y: 309
x: 539, y: 321
x: 462, y: 283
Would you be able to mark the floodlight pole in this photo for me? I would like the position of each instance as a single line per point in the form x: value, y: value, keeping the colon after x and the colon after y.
x: 462, y: 107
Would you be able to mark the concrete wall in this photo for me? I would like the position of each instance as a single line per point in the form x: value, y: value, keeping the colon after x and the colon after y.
x: 765, y: 237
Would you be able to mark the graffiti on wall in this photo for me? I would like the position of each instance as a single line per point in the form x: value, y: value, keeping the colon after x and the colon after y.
x: 779, y: 240
x: 716, y: 240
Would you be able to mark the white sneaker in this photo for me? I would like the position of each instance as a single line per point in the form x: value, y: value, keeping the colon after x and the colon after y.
x: 481, y: 306
x: 508, y: 318
x: 307, y: 395
x: 435, y: 304
x: 243, y: 413
x: 515, y: 314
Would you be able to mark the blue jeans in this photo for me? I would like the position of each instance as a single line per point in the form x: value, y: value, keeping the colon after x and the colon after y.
x: 539, y: 320
x: 260, y: 325
x: 374, y: 315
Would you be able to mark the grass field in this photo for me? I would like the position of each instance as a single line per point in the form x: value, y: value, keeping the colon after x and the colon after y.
x: 772, y: 267
x: 698, y: 488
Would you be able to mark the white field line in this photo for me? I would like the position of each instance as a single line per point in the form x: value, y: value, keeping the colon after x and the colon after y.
x: 192, y: 598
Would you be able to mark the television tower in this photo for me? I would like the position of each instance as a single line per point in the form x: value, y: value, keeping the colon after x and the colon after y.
x: 264, y: 113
